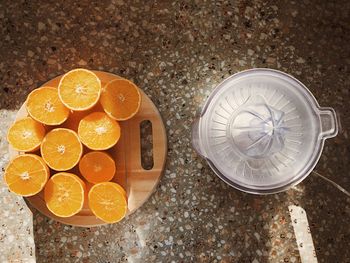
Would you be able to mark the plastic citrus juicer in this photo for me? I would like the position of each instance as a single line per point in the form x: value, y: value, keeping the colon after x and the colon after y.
x: 262, y: 131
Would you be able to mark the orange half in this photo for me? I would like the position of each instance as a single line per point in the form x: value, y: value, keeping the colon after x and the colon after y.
x: 98, y: 131
x: 107, y: 202
x: 61, y: 149
x: 97, y: 167
x: 26, y: 174
x: 26, y: 135
x: 44, y: 105
x: 79, y: 89
x: 64, y: 194
x: 121, y: 99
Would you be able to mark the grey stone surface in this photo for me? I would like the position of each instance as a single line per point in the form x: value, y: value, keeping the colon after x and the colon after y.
x: 16, y: 220
x: 177, y: 52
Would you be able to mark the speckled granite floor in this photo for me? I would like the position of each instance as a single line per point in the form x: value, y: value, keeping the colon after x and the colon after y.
x: 177, y: 51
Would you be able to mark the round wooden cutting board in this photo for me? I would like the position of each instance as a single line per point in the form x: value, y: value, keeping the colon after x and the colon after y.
x: 138, y: 182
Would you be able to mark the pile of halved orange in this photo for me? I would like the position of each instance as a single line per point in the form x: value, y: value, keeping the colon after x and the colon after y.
x: 61, y: 121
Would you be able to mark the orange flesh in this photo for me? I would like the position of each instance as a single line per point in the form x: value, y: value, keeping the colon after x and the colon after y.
x: 61, y: 149
x: 97, y: 167
x: 97, y: 131
x: 107, y: 202
x: 26, y: 135
x: 44, y: 105
x: 79, y: 89
x: 26, y: 175
x: 121, y: 99
x: 64, y: 194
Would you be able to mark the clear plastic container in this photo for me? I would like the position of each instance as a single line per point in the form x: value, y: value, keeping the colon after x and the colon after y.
x: 262, y: 131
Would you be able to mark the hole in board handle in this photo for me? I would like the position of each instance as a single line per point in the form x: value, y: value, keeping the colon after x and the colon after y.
x: 146, y: 139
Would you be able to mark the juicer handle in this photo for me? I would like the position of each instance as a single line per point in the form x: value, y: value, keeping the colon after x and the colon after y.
x: 329, y: 122
x: 195, y: 138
